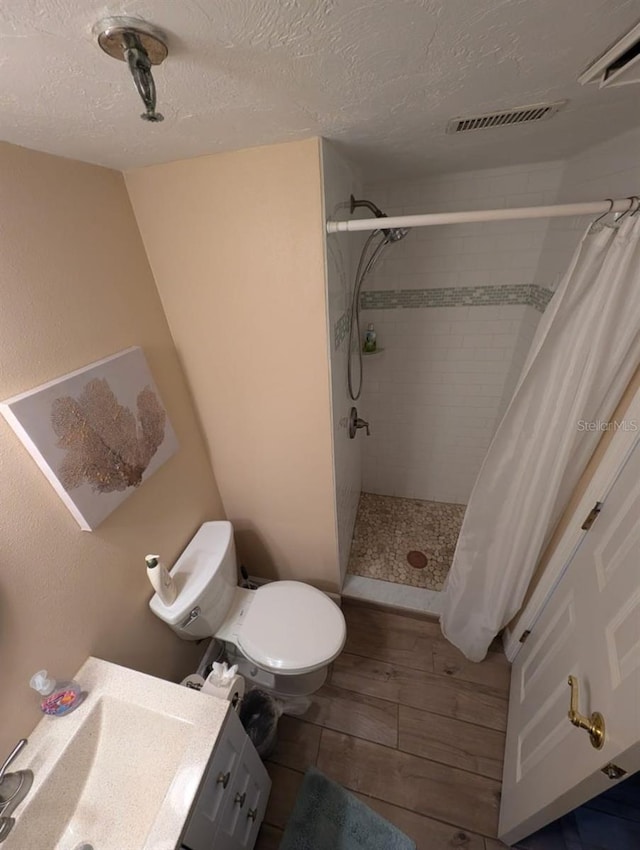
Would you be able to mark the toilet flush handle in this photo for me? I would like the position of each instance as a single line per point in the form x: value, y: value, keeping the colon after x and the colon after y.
x: 195, y: 613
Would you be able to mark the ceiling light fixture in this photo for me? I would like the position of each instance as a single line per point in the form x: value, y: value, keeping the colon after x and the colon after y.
x: 140, y: 45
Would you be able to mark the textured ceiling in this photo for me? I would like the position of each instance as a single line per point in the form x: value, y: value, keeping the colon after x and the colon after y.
x: 380, y: 77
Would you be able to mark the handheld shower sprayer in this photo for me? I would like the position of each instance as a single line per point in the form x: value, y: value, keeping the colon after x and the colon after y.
x: 365, y: 266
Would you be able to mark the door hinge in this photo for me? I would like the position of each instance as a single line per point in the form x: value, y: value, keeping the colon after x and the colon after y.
x: 592, y: 516
x: 525, y: 635
x: 613, y: 771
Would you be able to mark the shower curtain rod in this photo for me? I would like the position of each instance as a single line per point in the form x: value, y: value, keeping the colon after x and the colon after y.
x: 555, y: 211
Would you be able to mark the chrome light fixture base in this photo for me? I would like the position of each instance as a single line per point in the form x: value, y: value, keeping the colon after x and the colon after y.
x: 140, y: 45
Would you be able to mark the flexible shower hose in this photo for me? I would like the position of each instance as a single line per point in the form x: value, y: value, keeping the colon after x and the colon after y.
x: 361, y: 274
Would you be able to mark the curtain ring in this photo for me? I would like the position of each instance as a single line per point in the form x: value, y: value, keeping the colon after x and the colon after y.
x: 632, y: 199
x: 604, y: 214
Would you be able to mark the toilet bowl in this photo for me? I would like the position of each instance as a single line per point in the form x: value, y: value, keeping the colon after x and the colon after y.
x: 283, y: 635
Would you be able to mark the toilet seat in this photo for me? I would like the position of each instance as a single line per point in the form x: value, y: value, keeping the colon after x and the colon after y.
x: 291, y: 628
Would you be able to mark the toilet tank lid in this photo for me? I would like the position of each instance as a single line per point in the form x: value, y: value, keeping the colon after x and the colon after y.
x: 194, y: 568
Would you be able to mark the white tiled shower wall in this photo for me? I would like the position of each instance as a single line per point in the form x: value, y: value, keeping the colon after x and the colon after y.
x: 432, y: 397
x: 435, y: 395
x: 483, y: 254
x: 608, y: 170
x: 339, y: 182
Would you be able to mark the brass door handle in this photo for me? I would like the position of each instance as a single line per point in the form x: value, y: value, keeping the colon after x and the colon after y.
x: 593, y: 724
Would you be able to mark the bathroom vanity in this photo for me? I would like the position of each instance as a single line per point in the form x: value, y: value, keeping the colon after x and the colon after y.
x: 142, y: 763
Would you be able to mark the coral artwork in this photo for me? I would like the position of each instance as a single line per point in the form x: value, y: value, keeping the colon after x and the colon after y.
x: 97, y: 434
x: 105, y: 444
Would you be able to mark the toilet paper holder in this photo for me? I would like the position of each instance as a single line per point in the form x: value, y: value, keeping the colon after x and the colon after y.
x: 232, y: 688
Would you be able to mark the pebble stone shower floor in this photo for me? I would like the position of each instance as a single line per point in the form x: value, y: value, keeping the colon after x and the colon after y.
x: 392, y: 533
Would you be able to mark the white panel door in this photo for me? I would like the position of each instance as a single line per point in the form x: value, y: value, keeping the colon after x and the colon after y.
x: 590, y: 628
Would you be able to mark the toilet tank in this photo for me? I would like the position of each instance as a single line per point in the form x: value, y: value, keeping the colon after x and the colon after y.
x: 206, y: 579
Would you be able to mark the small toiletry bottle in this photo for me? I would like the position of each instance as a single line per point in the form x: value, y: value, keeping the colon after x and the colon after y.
x: 161, y: 580
x: 370, y: 340
x: 58, y: 698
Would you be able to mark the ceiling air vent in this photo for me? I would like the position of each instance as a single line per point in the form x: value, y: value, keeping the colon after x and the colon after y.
x: 505, y: 117
x: 619, y: 66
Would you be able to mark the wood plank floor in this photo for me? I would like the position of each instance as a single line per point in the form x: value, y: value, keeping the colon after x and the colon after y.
x: 407, y: 724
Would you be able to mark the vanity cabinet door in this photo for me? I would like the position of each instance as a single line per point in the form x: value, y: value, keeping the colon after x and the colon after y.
x: 245, y: 807
x: 217, y: 788
x: 256, y: 784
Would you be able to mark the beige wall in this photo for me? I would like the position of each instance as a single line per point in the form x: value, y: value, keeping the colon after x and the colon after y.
x: 75, y: 286
x: 235, y: 241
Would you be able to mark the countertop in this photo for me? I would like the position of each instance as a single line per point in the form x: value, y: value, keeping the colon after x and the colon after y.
x: 116, y: 733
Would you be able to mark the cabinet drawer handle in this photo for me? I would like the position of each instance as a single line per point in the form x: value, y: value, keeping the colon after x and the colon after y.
x: 252, y: 813
x: 223, y: 779
x: 240, y: 798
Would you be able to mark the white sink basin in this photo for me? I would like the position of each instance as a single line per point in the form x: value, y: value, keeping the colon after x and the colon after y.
x: 121, y: 771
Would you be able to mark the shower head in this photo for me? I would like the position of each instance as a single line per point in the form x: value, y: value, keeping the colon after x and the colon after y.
x: 392, y: 234
x: 354, y: 204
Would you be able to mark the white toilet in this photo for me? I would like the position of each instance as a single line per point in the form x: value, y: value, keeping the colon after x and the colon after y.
x: 283, y: 635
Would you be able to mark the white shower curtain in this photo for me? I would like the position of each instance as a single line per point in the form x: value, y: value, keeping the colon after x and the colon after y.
x: 584, y: 353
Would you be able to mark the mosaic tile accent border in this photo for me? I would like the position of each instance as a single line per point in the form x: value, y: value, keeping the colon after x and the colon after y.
x: 458, y: 296
x: 540, y: 298
x: 340, y: 330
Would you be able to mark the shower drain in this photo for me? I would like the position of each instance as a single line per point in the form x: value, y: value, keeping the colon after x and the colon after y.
x: 417, y: 559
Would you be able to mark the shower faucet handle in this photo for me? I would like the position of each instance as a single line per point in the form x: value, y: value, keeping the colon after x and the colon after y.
x: 355, y: 423
x: 361, y: 423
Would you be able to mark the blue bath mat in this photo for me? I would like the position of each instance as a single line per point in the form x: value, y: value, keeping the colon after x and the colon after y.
x: 326, y: 817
